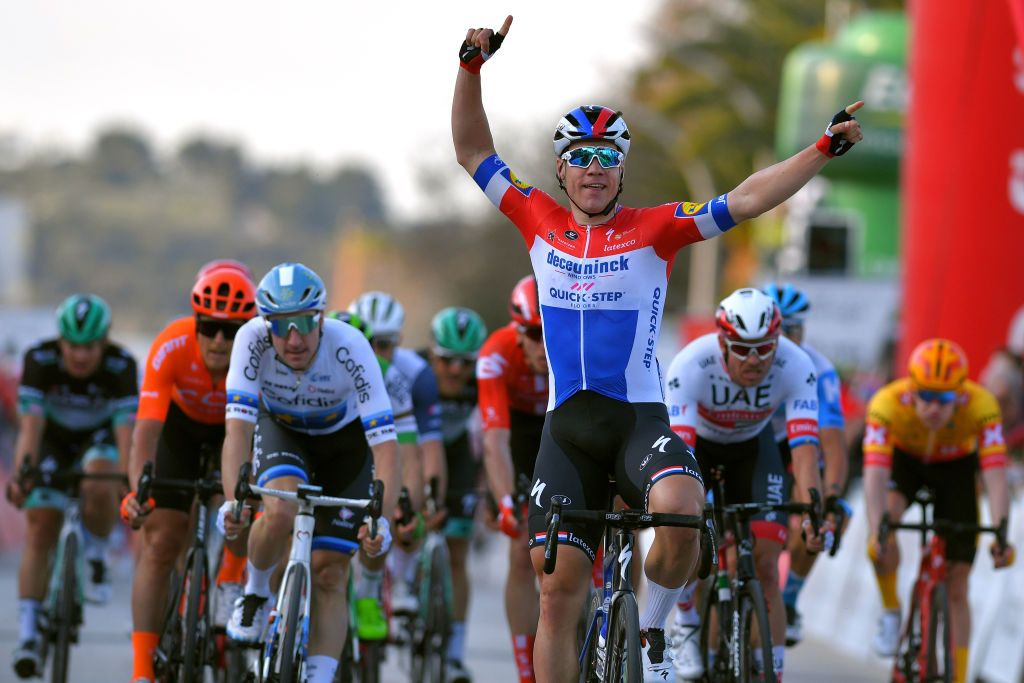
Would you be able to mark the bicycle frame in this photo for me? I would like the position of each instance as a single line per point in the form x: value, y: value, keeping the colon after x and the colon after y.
x: 617, y: 570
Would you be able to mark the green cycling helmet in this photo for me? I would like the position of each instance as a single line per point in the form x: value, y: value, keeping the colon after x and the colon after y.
x: 352, y: 319
x: 458, y: 330
x: 83, y: 318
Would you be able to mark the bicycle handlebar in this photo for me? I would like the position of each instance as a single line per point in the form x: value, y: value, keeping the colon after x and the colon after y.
x: 30, y: 476
x: 620, y: 519
x: 942, y: 527
x: 206, y: 487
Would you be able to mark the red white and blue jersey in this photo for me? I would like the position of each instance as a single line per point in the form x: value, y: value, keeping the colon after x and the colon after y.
x: 601, y: 288
x: 704, y: 401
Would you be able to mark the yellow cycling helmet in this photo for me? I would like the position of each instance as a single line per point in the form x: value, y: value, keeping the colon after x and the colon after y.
x: 938, y: 365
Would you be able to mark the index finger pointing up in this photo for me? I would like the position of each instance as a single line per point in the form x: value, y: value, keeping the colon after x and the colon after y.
x: 505, y: 27
x: 853, y: 107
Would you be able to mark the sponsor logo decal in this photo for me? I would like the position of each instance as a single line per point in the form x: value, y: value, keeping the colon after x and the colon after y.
x: 571, y: 235
x: 591, y: 268
x: 167, y: 348
x: 652, y: 330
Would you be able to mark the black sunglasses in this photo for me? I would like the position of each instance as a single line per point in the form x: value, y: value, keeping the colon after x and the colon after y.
x: 210, y: 328
x: 532, y: 332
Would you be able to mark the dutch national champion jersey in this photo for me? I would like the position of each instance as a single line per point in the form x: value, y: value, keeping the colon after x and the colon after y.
x: 703, y: 400
x: 830, y: 409
x: 505, y: 381
x: 602, y: 287
x: 344, y: 382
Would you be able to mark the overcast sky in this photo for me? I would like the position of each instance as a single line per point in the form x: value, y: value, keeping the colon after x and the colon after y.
x: 316, y: 81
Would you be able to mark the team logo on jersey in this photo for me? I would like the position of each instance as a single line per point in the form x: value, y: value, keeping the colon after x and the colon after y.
x: 613, y: 235
x: 572, y: 235
x: 690, y: 208
x: 551, y: 235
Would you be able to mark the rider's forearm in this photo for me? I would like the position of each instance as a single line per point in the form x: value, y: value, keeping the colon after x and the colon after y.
x: 997, y: 490
x: 237, y: 441
x: 385, y: 468
x: 412, y: 473
x: 30, y: 435
x: 471, y: 132
x: 876, y: 482
x: 833, y: 445
x: 434, y: 465
x: 771, y: 186
x: 144, y: 444
x: 805, y: 471
x: 498, y: 462
x: 123, y: 439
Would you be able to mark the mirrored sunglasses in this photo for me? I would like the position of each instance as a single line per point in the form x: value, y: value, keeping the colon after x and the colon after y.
x: 582, y: 157
x: 303, y: 324
x: 210, y: 328
x: 763, y: 350
x: 940, y: 397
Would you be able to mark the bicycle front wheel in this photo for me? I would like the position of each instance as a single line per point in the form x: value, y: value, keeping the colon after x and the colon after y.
x: 753, y: 611
x: 940, y: 637
x: 624, y: 641
x: 193, y: 642
x: 906, y: 667
x: 289, y: 654
x: 64, y: 617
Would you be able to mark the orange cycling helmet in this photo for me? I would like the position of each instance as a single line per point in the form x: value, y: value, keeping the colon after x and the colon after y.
x: 938, y: 365
x: 523, y: 306
x: 224, y: 293
x: 220, y: 263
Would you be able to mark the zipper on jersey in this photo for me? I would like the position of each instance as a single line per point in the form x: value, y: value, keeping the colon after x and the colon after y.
x: 583, y: 261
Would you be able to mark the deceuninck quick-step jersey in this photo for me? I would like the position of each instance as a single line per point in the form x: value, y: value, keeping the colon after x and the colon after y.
x: 601, y: 288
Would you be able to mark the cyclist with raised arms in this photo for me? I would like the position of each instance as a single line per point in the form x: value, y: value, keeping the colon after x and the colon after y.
x: 181, y: 415
x: 723, y: 389
x: 458, y: 333
x: 311, y: 394
x: 602, y: 271
x: 793, y: 305
x: 512, y: 378
x: 76, y: 405
x: 933, y: 428
x: 386, y: 317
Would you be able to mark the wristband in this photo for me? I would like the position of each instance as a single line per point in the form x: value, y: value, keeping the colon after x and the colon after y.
x: 471, y: 58
x: 830, y: 144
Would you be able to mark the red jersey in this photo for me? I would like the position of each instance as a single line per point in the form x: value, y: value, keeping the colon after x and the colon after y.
x: 175, y: 372
x: 505, y: 381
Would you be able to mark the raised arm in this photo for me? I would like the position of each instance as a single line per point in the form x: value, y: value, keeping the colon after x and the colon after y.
x: 771, y: 186
x: 471, y: 133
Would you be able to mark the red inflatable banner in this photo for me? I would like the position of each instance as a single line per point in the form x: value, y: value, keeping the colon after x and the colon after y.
x: 963, y: 176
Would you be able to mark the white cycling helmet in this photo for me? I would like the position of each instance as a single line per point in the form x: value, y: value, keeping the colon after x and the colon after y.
x: 748, y: 314
x: 380, y: 311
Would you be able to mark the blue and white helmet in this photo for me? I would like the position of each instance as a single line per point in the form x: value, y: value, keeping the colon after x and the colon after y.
x: 591, y: 122
x: 792, y: 302
x: 290, y: 288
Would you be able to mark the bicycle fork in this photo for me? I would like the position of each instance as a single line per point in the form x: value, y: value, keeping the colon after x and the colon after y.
x: 302, y: 544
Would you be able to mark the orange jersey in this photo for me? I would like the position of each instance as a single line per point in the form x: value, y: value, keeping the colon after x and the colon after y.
x: 892, y: 423
x: 175, y: 372
x: 505, y: 381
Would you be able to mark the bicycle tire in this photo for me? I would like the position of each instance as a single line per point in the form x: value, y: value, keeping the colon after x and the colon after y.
x: 63, y: 619
x: 752, y: 609
x: 586, y: 637
x: 193, y: 640
x: 714, y: 615
x: 906, y: 666
x: 940, y: 637
x: 438, y: 621
x: 166, y: 657
x: 288, y: 656
x: 371, y: 654
x: 624, y: 660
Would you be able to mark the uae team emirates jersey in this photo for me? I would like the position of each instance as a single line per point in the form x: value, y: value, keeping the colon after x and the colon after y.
x: 602, y: 287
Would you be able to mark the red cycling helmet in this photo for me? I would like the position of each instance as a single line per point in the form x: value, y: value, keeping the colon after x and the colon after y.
x: 228, y: 263
x: 224, y: 293
x: 523, y: 305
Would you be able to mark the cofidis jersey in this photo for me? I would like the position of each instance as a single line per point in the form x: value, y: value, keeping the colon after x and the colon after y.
x: 601, y: 288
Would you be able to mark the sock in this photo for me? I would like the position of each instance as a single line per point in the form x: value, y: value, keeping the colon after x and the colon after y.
x: 659, y: 603
x: 778, y: 659
x: 143, y: 644
x: 369, y: 584
x: 95, y: 546
x: 28, y: 619
x: 320, y: 669
x: 522, y: 645
x: 258, y: 581
x: 686, y: 606
x: 457, y: 642
x: 961, y: 657
x: 887, y: 587
x: 794, y: 584
x: 232, y: 568
x: 402, y: 563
